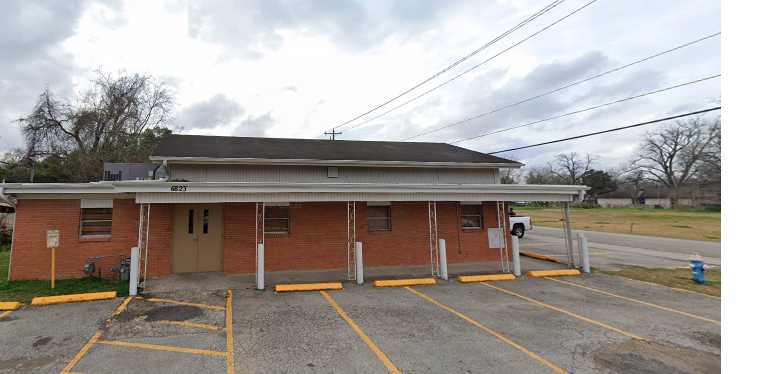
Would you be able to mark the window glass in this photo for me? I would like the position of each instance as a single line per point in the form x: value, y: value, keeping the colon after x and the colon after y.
x: 277, y: 219
x: 471, y: 216
x: 205, y: 221
x: 96, y: 221
x: 191, y: 222
x: 379, y: 218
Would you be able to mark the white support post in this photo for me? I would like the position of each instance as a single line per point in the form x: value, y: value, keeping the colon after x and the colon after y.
x: 515, y: 255
x: 358, y: 261
x: 261, y: 266
x: 135, y: 268
x: 443, y: 272
x: 568, y: 234
x: 584, y: 253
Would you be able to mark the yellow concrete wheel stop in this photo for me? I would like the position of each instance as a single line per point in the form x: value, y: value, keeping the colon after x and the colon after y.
x: 10, y: 305
x: 485, y: 278
x: 404, y: 282
x: 73, y: 298
x: 309, y: 287
x: 552, y: 273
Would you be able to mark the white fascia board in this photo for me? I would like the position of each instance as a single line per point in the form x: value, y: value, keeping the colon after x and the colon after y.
x: 235, y: 187
x: 309, y: 162
x: 59, y: 188
x: 129, y: 187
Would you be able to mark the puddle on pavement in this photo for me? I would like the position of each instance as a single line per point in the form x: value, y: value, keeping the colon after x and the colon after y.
x: 41, y: 341
x: 636, y: 356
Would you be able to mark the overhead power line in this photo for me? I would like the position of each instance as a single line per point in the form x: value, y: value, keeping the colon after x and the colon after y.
x: 609, y: 130
x: 569, y: 85
x: 516, y: 27
x: 475, y: 66
x: 586, y: 109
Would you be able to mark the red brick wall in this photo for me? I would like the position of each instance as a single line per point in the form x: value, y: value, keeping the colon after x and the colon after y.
x: 32, y: 260
x: 318, y: 235
x: 316, y: 240
x: 160, y: 240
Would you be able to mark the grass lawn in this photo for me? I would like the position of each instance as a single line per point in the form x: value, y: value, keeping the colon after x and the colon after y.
x: 670, y: 223
x: 677, y: 278
x: 24, y: 291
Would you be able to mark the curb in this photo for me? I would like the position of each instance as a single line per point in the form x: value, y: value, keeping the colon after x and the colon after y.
x: 539, y: 257
x: 308, y: 287
x: 485, y: 278
x: 73, y: 298
x: 404, y: 282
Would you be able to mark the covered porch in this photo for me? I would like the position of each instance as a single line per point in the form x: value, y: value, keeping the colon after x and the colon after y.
x: 280, y: 233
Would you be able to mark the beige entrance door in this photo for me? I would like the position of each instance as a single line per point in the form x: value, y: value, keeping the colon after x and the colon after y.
x: 197, y: 238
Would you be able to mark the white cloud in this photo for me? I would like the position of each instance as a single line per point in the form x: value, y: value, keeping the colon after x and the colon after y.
x: 296, y: 68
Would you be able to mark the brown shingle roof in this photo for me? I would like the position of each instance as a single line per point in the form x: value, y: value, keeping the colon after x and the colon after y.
x: 317, y: 149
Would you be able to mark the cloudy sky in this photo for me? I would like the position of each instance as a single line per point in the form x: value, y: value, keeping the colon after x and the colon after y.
x: 296, y: 68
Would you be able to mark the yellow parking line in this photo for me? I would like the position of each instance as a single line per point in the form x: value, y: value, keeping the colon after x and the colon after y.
x: 122, y: 306
x: 229, y: 325
x: 159, y: 347
x: 203, y: 326
x: 365, y: 338
x: 502, y: 338
x: 667, y: 309
x: 82, y: 352
x: 3, y: 314
x: 574, y: 315
x: 168, y: 301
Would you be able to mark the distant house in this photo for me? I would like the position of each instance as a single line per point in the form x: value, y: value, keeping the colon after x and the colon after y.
x: 212, y: 200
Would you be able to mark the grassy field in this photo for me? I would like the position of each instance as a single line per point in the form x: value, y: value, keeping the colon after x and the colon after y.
x: 670, y: 223
x: 677, y: 278
x: 24, y: 291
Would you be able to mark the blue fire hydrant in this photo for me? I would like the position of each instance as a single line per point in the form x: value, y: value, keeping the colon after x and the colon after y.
x: 698, y: 268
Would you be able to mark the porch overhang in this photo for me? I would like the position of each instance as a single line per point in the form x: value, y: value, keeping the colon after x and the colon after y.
x: 159, y: 192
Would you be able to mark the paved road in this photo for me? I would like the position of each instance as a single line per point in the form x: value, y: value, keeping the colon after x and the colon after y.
x: 613, y: 251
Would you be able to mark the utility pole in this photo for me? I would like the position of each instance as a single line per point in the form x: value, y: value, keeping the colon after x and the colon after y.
x: 332, y: 134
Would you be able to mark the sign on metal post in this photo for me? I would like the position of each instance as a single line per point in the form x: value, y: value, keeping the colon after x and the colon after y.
x: 52, y: 238
x: 52, y: 242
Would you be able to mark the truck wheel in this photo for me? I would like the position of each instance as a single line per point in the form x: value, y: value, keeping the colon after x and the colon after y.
x: 518, y: 230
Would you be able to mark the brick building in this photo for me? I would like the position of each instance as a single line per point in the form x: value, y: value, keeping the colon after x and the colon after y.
x: 213, y: 200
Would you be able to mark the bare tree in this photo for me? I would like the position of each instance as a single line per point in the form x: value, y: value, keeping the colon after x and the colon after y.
x: 570, y: 167
x: 109, y: 122
x: 675, y: 155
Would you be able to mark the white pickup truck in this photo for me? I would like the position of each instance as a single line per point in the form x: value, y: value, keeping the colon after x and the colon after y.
x: 519, y: 224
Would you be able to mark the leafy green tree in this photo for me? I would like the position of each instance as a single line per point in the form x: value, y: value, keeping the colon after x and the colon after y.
x: 599, y: 181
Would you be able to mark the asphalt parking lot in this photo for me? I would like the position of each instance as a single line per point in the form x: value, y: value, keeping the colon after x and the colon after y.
x: 593, y: 323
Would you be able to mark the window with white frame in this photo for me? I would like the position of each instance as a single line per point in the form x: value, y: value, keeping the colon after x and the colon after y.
x: 96, y: 218
x: 379, y: 217
x: 277, y: 219
x: 471, y: 216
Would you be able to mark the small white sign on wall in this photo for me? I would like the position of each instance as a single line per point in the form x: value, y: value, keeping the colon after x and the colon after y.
x: 52, y: 238
x: 496, y: 237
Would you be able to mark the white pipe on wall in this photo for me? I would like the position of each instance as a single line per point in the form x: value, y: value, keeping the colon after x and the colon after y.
x: 261, y: 266
x: 358, y: 261
x: 515, y: 255
x: 443, y: 272
x: 135, y: 268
